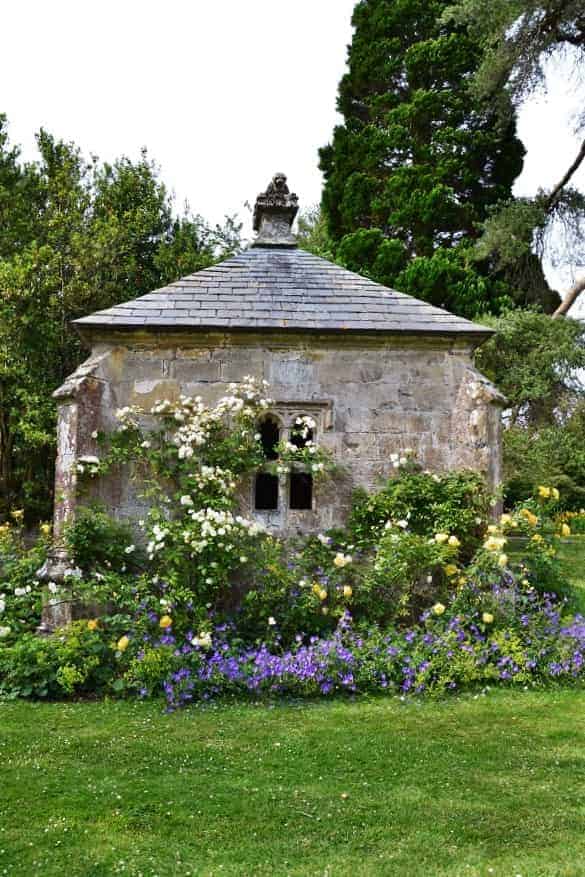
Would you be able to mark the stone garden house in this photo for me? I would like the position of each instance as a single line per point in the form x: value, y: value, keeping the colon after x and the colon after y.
x: 376, y: 370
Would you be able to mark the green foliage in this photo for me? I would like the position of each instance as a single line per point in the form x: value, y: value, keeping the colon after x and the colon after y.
x: 536, y: 363
x: 447, y: 279
x: 420, y: 159
x: 534, y: 360
x: 20, y: 593
x: 452, y: 502
x: 76, y: 660
x: 77, y: 236
x: 552, y: 454
x: 96, y: 542
x: 312, y: 233
x: 407, y: 574
x: 518, y: 37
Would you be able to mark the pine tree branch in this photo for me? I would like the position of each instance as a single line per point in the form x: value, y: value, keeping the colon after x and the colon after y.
x: 551, y: 199
x: 570, y: 298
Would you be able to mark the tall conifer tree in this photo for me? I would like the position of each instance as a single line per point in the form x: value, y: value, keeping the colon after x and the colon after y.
x: 419, y: 160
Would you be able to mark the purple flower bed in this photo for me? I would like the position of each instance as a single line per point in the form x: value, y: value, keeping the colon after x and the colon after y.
x: 526, y: 642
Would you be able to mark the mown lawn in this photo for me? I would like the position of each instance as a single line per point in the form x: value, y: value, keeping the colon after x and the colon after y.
x: 474, y: 785
x: 491, y: 785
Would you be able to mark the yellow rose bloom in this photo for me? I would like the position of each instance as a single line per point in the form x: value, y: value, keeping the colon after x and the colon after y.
x: 537, y: 538
x: 565, y: 530
x: 316, y: 589
x: 487, y: 618
x: 454, y: 541
x: 492, y: 529
x: 451, y: 569
x: 45, y: 529
x: 495, y: 543
x: 17, y: 514
x: 438, y: 608
x: 322, y: 594
x: 165, y: 621
x: 555, y: 493
x: 441, y: 537
x: 544, y: 492
x: 92, y: 624
x: 505, y: 520
x: 503, y: 560
x: 347, y: 591
x: 529, y: 517
x: 123, y: 643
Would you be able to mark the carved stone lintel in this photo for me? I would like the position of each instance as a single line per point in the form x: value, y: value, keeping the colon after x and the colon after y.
x: 274, y: 214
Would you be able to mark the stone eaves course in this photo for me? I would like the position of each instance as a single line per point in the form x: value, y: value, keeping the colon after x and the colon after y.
x: 281, y: 288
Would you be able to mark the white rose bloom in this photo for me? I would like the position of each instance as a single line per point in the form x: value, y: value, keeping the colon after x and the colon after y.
x: 271, y: 621
x: 186, y: 500
x: 129, y: 549
x: 203, y: 640
x: 74, y: 573
x: 4, y: 631
x: 53, y: 587
x: 19, y: 592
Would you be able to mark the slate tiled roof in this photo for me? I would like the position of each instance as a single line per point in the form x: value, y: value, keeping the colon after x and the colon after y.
x: 280, y: 288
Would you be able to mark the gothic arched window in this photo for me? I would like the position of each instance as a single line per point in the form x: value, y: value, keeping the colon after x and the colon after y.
x: 266, y: 486
x: 301, y: 483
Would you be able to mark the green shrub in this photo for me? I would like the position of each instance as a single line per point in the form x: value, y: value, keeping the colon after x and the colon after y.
x: 21, y: 594
x: 98, y: 542
x: 406, y: 575
x: 73, y: 661
x: 453, y: 502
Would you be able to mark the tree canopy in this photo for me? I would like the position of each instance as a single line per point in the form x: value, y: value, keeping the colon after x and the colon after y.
x: 518, y: 40
x: 420, y: 159
x: 75, y: 236
x: 538, y: 365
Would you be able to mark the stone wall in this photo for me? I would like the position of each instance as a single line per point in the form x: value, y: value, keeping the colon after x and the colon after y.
x: 371, y: 396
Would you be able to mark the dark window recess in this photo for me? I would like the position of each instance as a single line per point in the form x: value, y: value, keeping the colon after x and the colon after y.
x: 270, y: 436
x: 266, y: 494
x: 301, y: 490
x: 300, y: 440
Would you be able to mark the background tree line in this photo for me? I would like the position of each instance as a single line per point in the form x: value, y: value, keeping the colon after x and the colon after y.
x: 75, y: 236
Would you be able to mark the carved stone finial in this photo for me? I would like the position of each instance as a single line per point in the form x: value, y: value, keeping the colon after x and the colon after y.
x: 274, y: 214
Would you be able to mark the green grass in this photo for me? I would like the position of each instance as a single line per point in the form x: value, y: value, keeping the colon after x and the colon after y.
x: 573, y: 554
x: 469, y: 786
x: 457, y: 787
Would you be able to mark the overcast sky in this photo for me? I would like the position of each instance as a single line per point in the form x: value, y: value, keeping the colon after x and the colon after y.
x: 223, y: 94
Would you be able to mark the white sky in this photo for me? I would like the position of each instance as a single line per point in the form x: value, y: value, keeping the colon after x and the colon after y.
x: 223, y: 94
